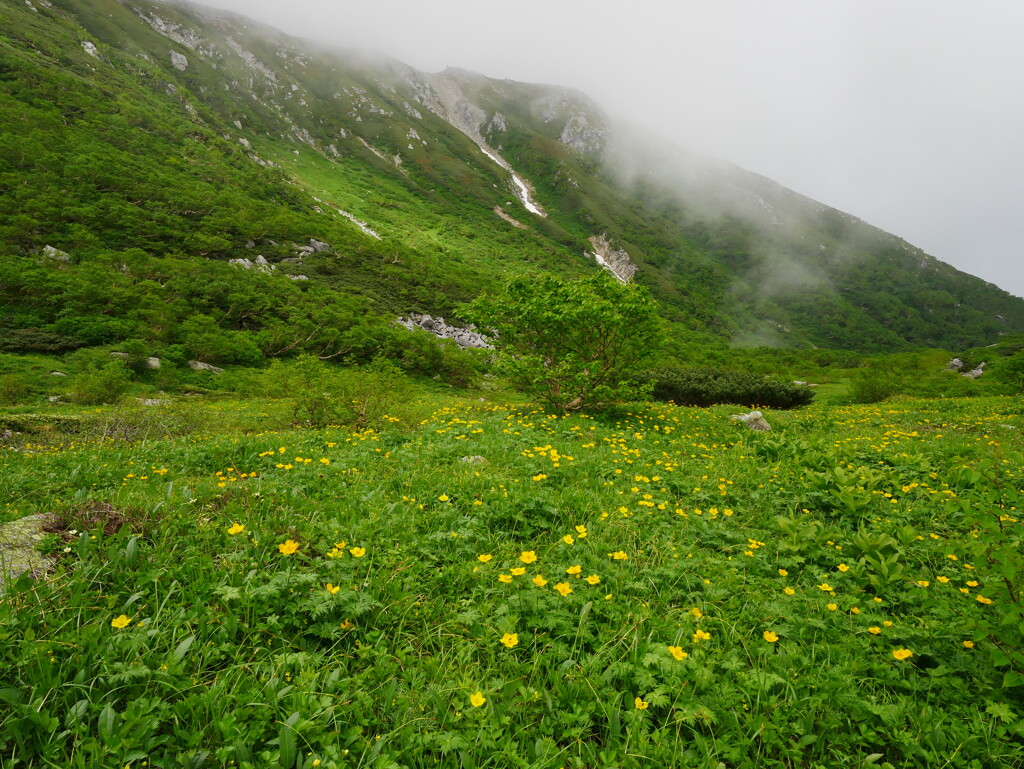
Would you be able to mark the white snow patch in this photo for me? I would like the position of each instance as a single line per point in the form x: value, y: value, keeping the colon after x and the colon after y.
x: 361, y: 225
x: 522, y: 190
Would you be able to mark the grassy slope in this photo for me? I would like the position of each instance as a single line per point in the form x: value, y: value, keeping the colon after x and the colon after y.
x: 119, y: 161
x: 237, y: 649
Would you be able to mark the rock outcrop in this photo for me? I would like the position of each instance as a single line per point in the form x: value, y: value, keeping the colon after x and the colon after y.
x: 976, y: 372
x: 49, y: 252
x: 615, y: 260
x: 197, y: 365
x: 463, y: 337
x: 260, y: 264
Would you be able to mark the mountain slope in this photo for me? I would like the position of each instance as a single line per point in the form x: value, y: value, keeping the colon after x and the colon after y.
x: 155, y: 142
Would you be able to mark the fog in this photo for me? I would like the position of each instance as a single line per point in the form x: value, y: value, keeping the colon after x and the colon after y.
x: 908, y: 115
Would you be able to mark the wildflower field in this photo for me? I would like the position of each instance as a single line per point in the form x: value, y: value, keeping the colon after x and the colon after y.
x: 500, y: 587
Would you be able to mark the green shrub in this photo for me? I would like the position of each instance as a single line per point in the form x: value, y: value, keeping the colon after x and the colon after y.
x: 572, y: 344
x: 325, y: 394
x: 873, y: 385
x: 707, y: 387
x: 14, y: 389
x: 100, y: 379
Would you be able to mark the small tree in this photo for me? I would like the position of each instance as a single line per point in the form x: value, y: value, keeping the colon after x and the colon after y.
x: 573, y: 344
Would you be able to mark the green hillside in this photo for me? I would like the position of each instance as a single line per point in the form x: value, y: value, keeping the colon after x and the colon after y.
x: 153, y: 143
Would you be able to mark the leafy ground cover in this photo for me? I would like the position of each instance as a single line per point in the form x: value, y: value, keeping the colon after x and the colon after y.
x: 498, y: 586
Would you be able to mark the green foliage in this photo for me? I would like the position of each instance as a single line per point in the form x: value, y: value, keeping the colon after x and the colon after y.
x: 707, y: 605
x: 14, y: 389
x: 100, y: 378
x: 324, y: 394
x: 1010, y: 370
x: 573, y: 344
x: 873, y: 385
x: 707, y: 387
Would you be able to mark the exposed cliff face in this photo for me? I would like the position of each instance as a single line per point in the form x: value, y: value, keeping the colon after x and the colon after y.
x: 615, y: 260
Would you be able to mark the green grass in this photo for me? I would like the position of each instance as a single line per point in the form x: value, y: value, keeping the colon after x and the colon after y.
x: 237, y: 653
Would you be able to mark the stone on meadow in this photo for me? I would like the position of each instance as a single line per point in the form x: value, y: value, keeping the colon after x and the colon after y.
x: 754, y: 420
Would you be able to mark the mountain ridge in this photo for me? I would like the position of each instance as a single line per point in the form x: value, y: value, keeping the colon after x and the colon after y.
x: 232, y: 139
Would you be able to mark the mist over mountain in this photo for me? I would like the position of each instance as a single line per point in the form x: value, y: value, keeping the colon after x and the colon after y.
x: 165, y: 162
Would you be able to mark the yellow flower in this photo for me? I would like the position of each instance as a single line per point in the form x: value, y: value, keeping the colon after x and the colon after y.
x: 539, y: 581
x: 593, y: 579
x: 563, y: 588
x: 843, y: 567
x: 506, y: 578
x: 332, y: 589
x: 770, y: 637
x: 831, y: 606
x: 581, y: 530
x: 510, y: 639
x: 701, y: 635
x: 923, y: 582
x: 528, y: 556
x: 696, y: 612
x: 357, y: 552
x: 887, y: 623
x: 443, y: 498
x: 854, y: 610
x: 236, y: 528
x: 968, y: 644
x: 288, y: 547
x: 788, y: 591
x: 574, y: 570
x: 640, y: 704
x: 972, y: 583
x: 120, y: 622
x: 983, y: 599
x: 902, y: 654
x: 340, y: 545
x: 875, y: 630
x: 539, y: 477
x: 518, y: 571
x: 943, y: 580
x: 567, y: 539
x: 826, y: 588
x: 619, y: 555
x: 484, y: 558
x: 678, y: 653
x: 783, y: 573
x: 477, y: 699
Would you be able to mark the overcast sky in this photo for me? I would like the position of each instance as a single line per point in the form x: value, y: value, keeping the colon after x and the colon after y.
x: 906, y: 113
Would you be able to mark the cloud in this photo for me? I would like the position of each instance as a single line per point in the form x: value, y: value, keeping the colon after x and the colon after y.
x: 904, y: 114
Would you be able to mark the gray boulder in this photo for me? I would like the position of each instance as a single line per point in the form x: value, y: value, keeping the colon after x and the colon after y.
x: 18, y: 554
x: 954, y: 365
x: 977, y: 372
x: 56, y: 254
x: 197, y: 365
x: 754, y: 420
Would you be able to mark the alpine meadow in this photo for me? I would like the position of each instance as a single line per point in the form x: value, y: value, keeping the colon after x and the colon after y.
x: 356, y: 416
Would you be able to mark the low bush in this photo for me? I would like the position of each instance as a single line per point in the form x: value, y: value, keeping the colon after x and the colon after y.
x: 327, y: 394
x: 707, y: 387
x: 103, y: 383
x: 14, y: 389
